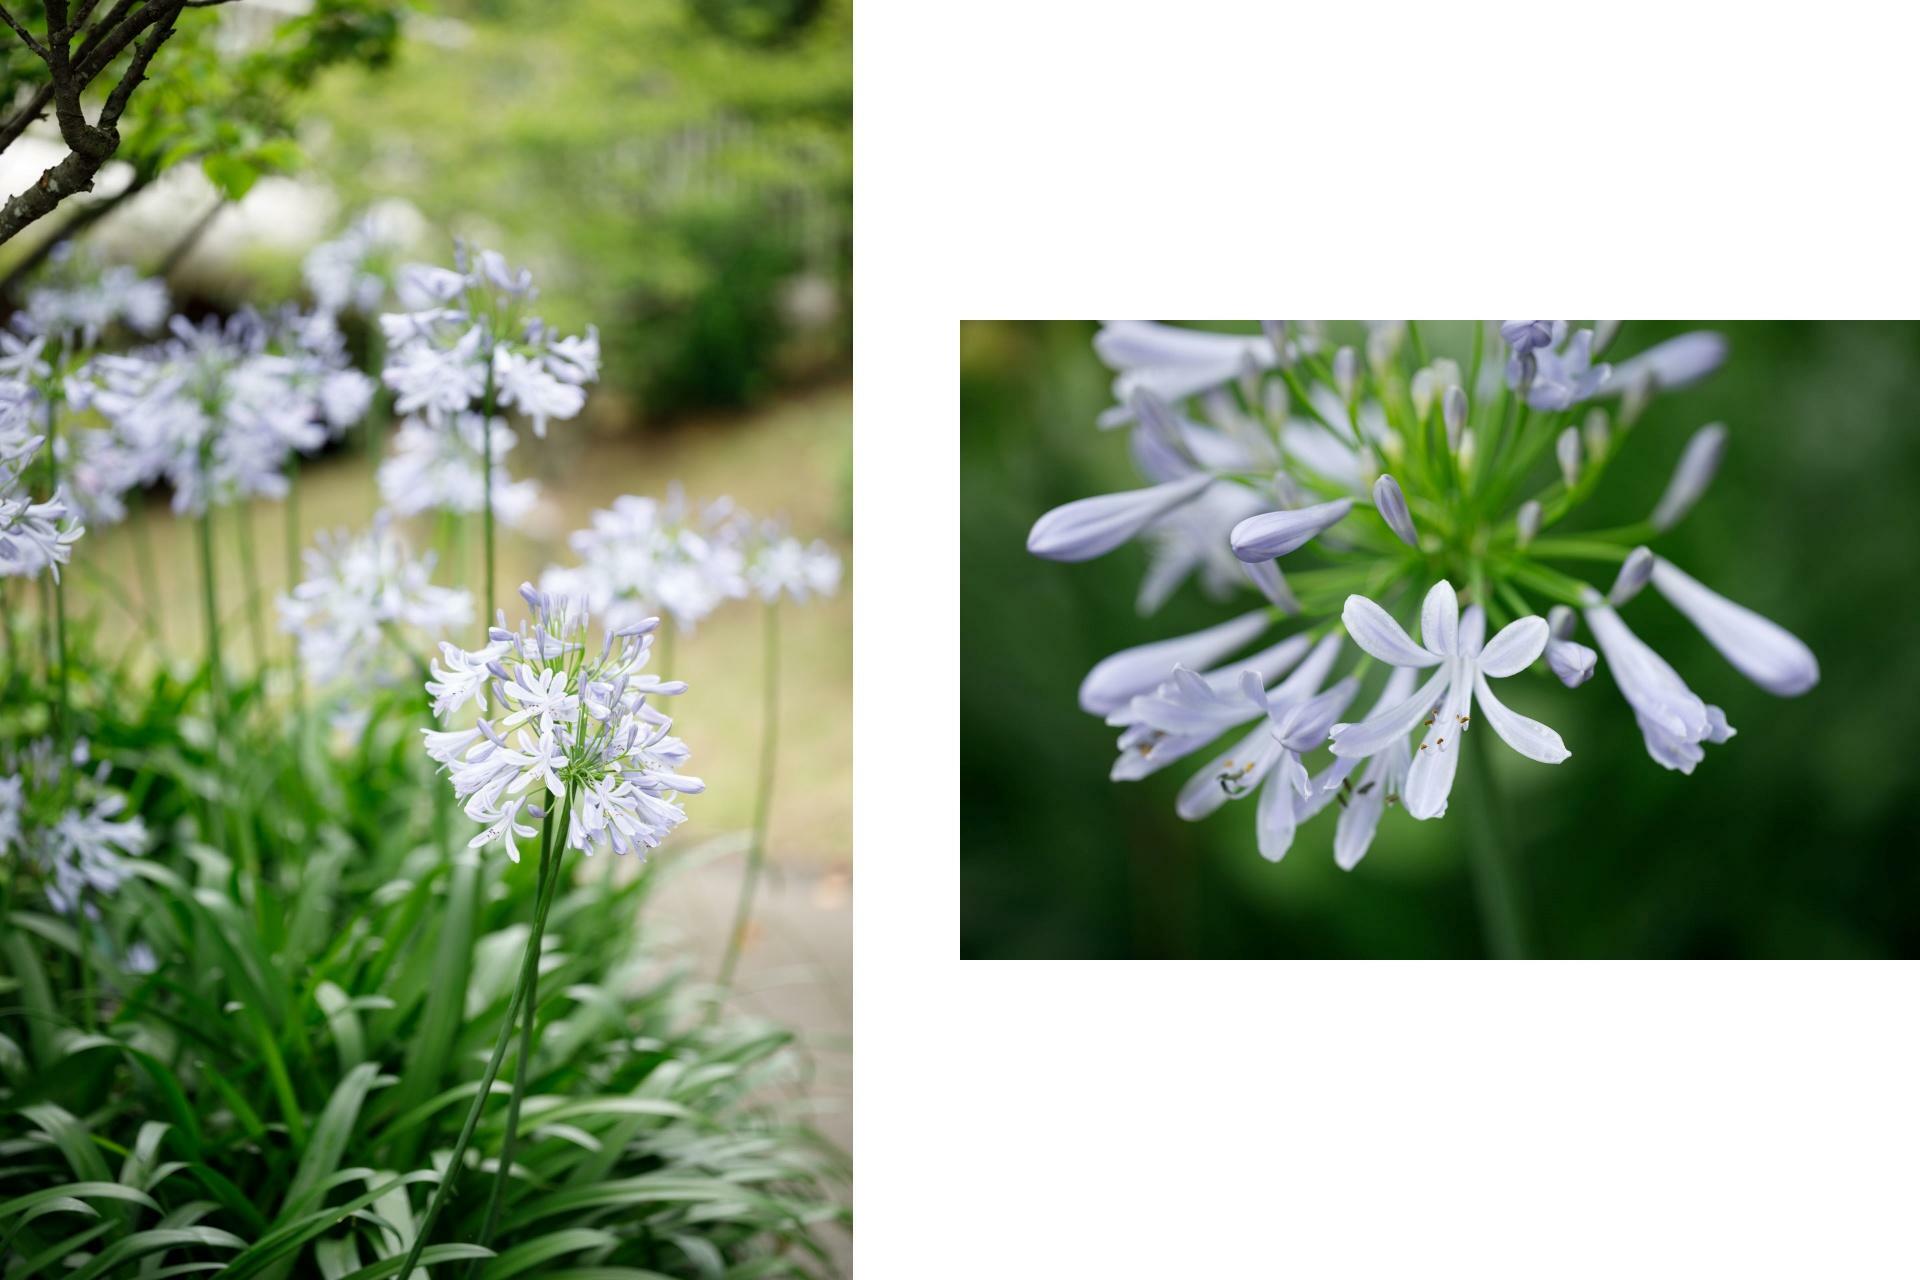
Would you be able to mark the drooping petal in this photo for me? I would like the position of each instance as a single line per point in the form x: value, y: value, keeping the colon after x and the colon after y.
x: 1275, y: 533
x: 1396, y: 722
x: 1760, y: 649
x: 1094, y: 526
x: 1375, y: 631
x: 1652, y: 687
x: 1117, y: 679
x: 1391, y: 503
x: 1440, y: 619
x: 1515, y: 648
x: 1698, y: 463
x: 1529, y: 737
x: 1304, y: 726
x: 1266, y: 575
x: 1309, y: 675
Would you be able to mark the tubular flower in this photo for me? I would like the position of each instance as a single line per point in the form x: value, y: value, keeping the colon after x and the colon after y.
x: 359, y: 593
x: 567, y: 722
x: 65, y: 824
x: 1384, y: 474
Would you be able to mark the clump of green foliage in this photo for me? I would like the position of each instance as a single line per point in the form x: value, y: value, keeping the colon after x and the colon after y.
x: 276, y: 1096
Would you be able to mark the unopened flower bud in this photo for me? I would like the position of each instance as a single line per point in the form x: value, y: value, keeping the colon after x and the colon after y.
x: 1391, y: 503
x: 1596, y: 433
x: 1276, y: 333
x: 1251, y: 375
x: 1453, y: 410
x: 1266, y: 575
x: 1346, y: 373
x: 1633, y: 576
x: 1383, y: 343
x: 1638, y: 395
x: 1604, y: 332
x: 1567, y: 450
x: 1275, y: 395
x: 1467, y: 449
x: 1698, y: 462
x: 1526, y: 521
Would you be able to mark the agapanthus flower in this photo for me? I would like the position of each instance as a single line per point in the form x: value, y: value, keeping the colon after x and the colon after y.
x: 1383, y: 477
x: 443, y: 468
x: 784, y: 566
x: 65, y: 823
x: 75, y: 299
x: 645, y: 556
x: 36, y: 535
x: 219, y: 408
x: 467, y: 335
x: 353, y: 272
x: 568, y: 721
x: 362, y: 594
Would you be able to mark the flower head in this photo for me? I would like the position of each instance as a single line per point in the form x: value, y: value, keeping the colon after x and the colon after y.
x: 1381, y: 477
x: 66, y: 824
x: 570, y: 723
x: 362, y: 593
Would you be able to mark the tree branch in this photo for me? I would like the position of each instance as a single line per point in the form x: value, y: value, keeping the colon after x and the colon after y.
x: 39, y: 50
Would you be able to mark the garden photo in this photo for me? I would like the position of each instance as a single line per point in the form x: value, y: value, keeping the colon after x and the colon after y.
x: 426, y: 638
x: 1435, y: 639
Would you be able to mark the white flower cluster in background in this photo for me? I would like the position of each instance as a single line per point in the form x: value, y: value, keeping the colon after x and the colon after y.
x: 562, y: 719
x: 354, y: 271
x: 64, y: 824
x: 1397, y: 483
x: 363, y: 592
x: 75, y: 300
x: 220, y: 408
x: 441, y: 468
x: 35, y: 536
x: 644, y: 556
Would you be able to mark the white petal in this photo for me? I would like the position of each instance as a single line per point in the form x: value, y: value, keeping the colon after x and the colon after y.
x: 1203, y: 792
x: 1473, y: 630
x: 1375, y: 631
x: 1440, y: 619
x: 1384, y: 727
x: 1529, y: 737
x: 1353, y: 833
x: 1117, y: 679
x: 1304, y: 726
x: 1276, y: 821
x: 1275, y: 533
x: 1430, y: 780
x: 1266, y: 575
x: 1094, y: 526
x: 1516, y: 647
x: 1760, y: 649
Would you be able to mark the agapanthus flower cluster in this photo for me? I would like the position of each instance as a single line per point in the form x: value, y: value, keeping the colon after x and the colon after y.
x: 467, y: 340
x: 36, y: 536
x: 779, y: 564
x: 365, y: 594
x: 219, y: 408
x: 354, y: 271
x: 1396, y: 483
x: 562, y: 722
x: 442, y: 468
x: 64, y: 824
x: 645, y: 556
x: 75, y: 300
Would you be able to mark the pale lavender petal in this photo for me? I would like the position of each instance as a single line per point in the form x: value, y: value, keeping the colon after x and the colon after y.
x: 1117, y: 679
x: 1394, y: 723
x: 1529, y: 737
x: 1634, y: 573
x: 1675, y: 363
x: 1516, y: 647
x: 1760, y: 649
x: 1094, y: 526
x: 1375, y: 631
x: 1439, y: 620
x: 1571, y: 661
x: 1430, y: 780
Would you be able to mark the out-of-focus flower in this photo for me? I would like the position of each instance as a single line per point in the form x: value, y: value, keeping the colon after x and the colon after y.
x: 64, y: 823
x: 442, y: 469
x: 362, y: 592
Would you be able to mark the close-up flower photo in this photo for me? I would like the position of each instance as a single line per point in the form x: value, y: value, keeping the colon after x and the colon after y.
x: 1507, y: 638
x: 425, y: 639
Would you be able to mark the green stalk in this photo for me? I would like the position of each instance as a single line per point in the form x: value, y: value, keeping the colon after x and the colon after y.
x: 293, y: 578
x: 523, y: 1067
x: 486, y: 478
x: 529, y: 963
x: 763, y: 800
x: 64, y: 723
x: 216, y: 677
x: 1493, y: 861
x: 144, y: 568
x: 256, y: 622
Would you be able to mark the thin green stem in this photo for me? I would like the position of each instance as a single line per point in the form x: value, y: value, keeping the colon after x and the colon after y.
x: 256, y: 621
x: 142, y: 539
x: 486, y: 479
x: 209, y: 599
x: 64, y: 723
x: 523, y: 1068
x: 529, y: 961
x: 763, y: 799
x: 293, y: 578
x: 1494, y: 879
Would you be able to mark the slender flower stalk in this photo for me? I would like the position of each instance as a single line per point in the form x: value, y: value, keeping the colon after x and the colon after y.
x: 1393, y: 481
x: 762, y: 796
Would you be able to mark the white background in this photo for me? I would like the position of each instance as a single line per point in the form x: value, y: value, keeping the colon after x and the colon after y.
x: 1342, y: 1120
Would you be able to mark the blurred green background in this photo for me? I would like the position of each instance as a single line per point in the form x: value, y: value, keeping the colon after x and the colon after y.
x: 1791, y: 840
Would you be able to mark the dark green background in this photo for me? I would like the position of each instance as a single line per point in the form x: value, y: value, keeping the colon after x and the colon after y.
x: 1793, y: 839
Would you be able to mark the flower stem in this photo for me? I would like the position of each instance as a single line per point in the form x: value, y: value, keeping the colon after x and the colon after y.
x: 486, y: 480
x: 216, y: 678
x: 256, y: 624
x: 65, y: 733
x: 293, y: 579
x: 1493, y: 861
x: 529, y: 963
x: 143, y: 568
x: 763, y: 800
x: 523, y: 1066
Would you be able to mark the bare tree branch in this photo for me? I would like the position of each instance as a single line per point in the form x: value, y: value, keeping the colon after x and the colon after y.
x: 39, y: 50
x: 71, y: 228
